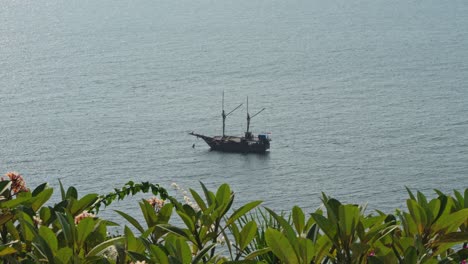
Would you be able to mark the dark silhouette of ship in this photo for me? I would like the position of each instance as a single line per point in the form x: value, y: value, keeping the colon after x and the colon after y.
x: 249, y: 143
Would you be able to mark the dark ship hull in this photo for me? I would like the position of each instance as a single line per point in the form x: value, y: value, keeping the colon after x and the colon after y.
x: 249, y: 144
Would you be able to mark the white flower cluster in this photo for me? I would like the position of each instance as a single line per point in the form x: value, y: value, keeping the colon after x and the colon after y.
x: 186, y: 196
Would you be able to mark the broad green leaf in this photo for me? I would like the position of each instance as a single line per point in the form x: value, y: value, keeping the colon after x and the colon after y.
x: 422, y: 199
x: 418, y: 214
x: 15, y: 202
x: 433, y: 210
x: 62, y: 191
x: 372, y: 221
x: 104, y: 245
x: 132, y: 221
x: 13, y: 231
x: 27, y: 227
x: 41, y: 198
x: 71, y: 193
x: 45, y: 214
x: 374, y: 260
x: 409, y: 224
x: 403, y: 243
x: 61, y: 206
x: 309, y: 224
x: 384, y: 230
x: 177, y: 231
x: 67, y: 228
x: 410, y: 194
x: 306, y: 250
x: 332, y: 206
x: 148, y: 213
x: 298, y: 219
x: 454, y: 237
x: 210, y: 198
x: 411, y: 255
x: 44, y: 248
x: 108, y: 223
x: 83, y: 229
x: 242, y: 211
x: 48, y: 235
x: 198, y: 200
x: 234, y: 229
x: 148, y: 232
x: 130, y: 239
x: 189, y: 211
x: 63, y: 255
x: 348, y: 219
x: 287, y: 228
x: 188, y: 221
x: 180, y: 249
x: 136, y: 256
x: 202, y: 253
x: 221, y: 211
x: 135, y: 244
x: 358, y: 250
x: 4, y: 251
x: 445, y: 206
x: 466, y: 198
x: 247, y: 234
x: 326, y: 226
x: 38, y: 189
x: 280, y: 246
x: 163, y: 217
x: 5, y: 217
x: 165, y: 213
x: 223, y: 194
x: 84, y: 203
x: 322, y: 248
x: 206, y: 236
x: 157, y: 255
x: 257, y: 253
x: 459, y: 200
x: 448, y: 223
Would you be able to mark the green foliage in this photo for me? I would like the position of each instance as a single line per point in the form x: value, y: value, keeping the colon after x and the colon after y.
x: 428, y: 233
x: 431, y: 229
x: 257, y: 249
x: 212, y: 231
x: 207, y: 221
x: 63, y: 233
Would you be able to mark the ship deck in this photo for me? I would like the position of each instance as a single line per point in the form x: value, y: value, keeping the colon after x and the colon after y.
x: 234, y: 139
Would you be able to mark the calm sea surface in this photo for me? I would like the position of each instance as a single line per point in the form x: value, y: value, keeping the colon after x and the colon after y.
x: 362, y: 97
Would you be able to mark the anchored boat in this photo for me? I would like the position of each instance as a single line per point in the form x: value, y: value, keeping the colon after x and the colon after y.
x: 249, y: 143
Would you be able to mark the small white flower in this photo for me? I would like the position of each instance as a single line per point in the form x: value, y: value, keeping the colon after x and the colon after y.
x: 221, y: 240
x: 37, y: 220
x: 111, y: 253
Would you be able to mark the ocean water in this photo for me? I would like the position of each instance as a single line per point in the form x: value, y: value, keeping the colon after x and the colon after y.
x: 362, y: 97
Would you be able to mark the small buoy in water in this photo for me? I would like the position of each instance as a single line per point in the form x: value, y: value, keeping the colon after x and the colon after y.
x: 193, y: 146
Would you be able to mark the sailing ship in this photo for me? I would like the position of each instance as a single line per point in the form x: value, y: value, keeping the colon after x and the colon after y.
x: 249, y: 143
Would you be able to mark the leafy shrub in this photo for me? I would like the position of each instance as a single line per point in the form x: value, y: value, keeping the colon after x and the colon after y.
x: 211, y: 231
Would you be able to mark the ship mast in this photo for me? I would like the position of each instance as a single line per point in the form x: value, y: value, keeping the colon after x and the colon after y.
x: 250, y: 117
x: 224, y: 115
